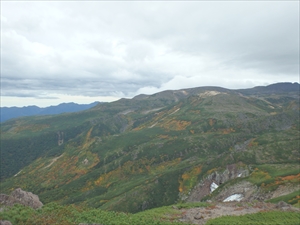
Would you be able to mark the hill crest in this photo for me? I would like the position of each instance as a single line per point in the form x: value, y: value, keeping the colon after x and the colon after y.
x: 140, y: 153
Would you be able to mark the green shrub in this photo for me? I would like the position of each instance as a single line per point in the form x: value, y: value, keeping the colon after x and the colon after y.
x: 261, y: 218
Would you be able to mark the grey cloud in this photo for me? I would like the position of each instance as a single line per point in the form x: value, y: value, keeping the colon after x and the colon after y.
x: 123, y: 48
x: 247, y: 33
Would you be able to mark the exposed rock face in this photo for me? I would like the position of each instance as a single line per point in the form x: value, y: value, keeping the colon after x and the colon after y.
x: 200, y: 191
x: 283, y: 206
x: 231, y: 172
x: 21, y: 197
x: 85, y: 162
x: 7, y: 200
x: 5, y: 222
x: 250, y: 192
x: 284, y: 190
x: 244, y: 188
x: 198, y: 216
x: 204, y: 187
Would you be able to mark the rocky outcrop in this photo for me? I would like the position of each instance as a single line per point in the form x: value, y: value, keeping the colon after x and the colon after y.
x: 245, y: 189
x: 21, y: 197
x: 250, y: 192
x: 232, y: 171
x: 240, y: 190
x: 213, y: 180
x: 5, y: 222
x: 283, y: 206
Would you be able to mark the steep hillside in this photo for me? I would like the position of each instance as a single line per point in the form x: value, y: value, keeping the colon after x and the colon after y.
x: 150, y: 151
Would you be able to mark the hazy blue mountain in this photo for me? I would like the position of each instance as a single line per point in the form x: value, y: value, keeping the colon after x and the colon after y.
x: 14, y: 112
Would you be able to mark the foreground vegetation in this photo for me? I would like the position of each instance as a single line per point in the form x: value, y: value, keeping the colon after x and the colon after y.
x: 261, y: 218
x: 168, y: 215
x: 149, y: 151
x: 70, y: 215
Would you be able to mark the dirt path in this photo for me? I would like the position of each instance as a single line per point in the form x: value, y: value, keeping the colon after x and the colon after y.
x: 202, y: 215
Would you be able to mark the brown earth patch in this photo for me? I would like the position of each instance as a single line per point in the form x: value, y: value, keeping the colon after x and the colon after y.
x: 201, y: 215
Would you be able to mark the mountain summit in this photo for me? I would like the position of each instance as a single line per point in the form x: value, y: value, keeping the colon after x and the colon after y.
x: 153, y: 150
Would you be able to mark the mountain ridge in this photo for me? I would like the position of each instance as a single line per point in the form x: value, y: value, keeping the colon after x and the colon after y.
x: 149, y: 151
x: 273, y: 88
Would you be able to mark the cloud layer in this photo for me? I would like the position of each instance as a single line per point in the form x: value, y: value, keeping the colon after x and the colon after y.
x: 120, y: 49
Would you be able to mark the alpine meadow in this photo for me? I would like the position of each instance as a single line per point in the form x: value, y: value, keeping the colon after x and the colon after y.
x: 153, y: 159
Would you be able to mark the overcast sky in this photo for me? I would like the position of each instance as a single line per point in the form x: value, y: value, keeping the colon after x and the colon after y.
x: 54, y: 52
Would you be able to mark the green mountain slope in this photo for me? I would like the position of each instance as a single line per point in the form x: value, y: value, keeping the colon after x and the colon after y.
x: 150, y: 151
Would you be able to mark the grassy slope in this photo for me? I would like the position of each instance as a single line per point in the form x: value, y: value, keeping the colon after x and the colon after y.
x: 167, y: 215
x: 161, y: 153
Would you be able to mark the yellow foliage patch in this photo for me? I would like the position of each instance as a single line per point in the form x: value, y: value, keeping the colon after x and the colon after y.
x: 164, y: 165
x: 296, y: 198
x: 211, y: 122
x: 212, y: 170
x: 226, y: 131
x: 87, y: 139
x: 128, y: 169
x: 176, y: 125
x: 31, y: 127
x: 195, y: 111
x: 163, y: 136
x: 261, y: 175
x: 253, y: 143
x: 189, y: 179
x: 290, y: 178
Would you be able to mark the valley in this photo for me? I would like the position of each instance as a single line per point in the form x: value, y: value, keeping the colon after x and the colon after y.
x: 193, y: 146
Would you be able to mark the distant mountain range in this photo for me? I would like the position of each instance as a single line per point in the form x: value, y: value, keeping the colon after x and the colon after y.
x: 14, y: 112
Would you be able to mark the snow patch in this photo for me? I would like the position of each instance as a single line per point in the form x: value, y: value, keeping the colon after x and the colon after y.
x: 213, y: 187
x: 239, y: 175
x: 235, y: 197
